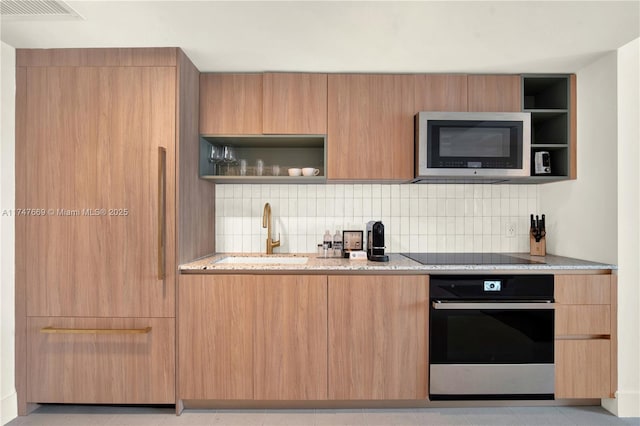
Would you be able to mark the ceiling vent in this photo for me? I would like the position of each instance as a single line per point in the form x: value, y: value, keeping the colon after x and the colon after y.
x: 36, y: 9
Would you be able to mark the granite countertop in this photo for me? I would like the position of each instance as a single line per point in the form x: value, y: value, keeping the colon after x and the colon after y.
x: 397, y: 264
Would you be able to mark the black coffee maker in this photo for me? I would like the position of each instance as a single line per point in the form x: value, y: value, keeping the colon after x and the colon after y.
x: 375, y: 242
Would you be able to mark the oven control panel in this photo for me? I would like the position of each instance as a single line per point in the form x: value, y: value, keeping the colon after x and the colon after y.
x: 492, y: 285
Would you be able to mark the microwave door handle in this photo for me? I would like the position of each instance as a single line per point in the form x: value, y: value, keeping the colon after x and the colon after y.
x: 526, y: 305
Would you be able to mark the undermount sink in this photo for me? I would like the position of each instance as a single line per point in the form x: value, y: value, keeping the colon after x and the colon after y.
x: 264, y: 260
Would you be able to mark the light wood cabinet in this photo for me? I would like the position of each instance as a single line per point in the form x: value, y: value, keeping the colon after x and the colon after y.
x: 378, y: 337
x: 106, y: 140
x: 96, y: 247
x: 370, y: 127
x: 252, y: 337
x: 215, y: 336
x: 101, y: 360
x: 269, y: 103
x: 294, y: 103
x: 585, y: 345
x: 440, y: 92
x: 230, y: 104
x: 290, y: 348
x: 494, y: 93
x: 583, y: 368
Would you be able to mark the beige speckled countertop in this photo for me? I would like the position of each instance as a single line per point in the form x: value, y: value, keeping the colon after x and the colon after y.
x: 397, y: 264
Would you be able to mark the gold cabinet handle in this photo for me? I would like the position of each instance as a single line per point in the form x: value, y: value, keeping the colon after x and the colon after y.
x: 55, y: 330
x: 162, y: 163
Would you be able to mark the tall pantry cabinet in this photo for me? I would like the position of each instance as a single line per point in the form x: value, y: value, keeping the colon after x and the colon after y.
x: 106, y: 195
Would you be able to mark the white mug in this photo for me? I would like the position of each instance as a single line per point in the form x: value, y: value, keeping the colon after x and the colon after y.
x: 310, y: 171
x: 295, y: 172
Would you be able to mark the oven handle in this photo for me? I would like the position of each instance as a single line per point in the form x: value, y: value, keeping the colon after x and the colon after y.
x: 525, y: 305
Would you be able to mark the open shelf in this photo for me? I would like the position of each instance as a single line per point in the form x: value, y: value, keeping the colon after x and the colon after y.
x: 276, y: 152
x: 547, y: 99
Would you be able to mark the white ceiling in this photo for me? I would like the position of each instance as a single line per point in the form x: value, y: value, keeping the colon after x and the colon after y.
x: 383, y: 36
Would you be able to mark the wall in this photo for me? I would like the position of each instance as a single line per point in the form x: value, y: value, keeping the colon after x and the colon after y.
x: 421, y: 217
x: 581, y: 214
x: 8, y: 398
x: 628, y: 398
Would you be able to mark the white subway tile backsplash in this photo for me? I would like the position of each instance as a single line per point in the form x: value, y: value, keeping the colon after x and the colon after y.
x: 425, y: 217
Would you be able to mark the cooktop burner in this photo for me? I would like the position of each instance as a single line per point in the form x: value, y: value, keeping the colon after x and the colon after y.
x: 467, y: 259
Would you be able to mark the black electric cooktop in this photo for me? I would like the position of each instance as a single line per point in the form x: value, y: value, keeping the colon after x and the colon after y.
x: 468, y: 259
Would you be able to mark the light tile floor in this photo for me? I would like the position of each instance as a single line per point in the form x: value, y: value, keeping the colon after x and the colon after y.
x: 78, y: 415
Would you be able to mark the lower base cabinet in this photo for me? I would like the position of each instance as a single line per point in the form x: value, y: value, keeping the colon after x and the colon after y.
x: 585, y: 336
x: 290, y: 345
x: 252, y: 337
x: 101, y: 360
x: 215, y: 336
x: 583, y: 368
x: 378, y: 337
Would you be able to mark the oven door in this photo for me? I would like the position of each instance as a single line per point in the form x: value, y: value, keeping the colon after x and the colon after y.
x: 491, y: 350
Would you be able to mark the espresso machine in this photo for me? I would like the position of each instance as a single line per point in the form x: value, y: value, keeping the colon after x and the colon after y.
x: 375, y: 242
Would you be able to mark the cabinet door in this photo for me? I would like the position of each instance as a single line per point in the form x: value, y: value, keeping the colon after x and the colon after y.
x: 291, y: 338
x: 495, y: 93
x: 583, y: 368
x: 440, y: 92
x: 370, y: 127
x: 378, y: 337
x: 215, y: 336
x: 231, y: 104
x: 295, y: 103
x: 93, y: 138
x: 128, y: 361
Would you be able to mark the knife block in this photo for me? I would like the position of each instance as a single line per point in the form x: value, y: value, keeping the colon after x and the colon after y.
x: 537, y: 248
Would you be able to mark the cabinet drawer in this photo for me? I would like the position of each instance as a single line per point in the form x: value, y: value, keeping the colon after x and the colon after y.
x: 583, y: 289
x: 583, y: 320
x: 101, y: 360
x: 583, y: 368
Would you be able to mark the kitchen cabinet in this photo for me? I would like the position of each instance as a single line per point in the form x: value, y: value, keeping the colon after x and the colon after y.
x: 252, y: 337
x: 215, y: 336
x: 105, y: 142
x: 294, y: 103
x: 290, y: 348
x: 585, y: 336
x: 494, y: 93
x: 269, y: 103
x: 279, y: 118
x: 440, y: 92
x: 551, y: 100
x: 370, y: 127
x: 230, y: 104
x: 378, y: 337
x: 101, y: 360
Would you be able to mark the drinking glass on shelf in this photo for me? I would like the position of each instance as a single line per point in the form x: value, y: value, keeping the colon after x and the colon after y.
x: 259, y: 167
x: 229, y: 157
x: 215, y: 157
x: 243, y: 167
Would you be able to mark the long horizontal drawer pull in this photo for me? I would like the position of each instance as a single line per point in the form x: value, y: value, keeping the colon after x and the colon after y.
x: 56, y: 330
x: 492, y: 305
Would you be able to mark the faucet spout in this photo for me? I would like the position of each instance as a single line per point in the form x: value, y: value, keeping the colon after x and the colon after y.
x: 266, y: 223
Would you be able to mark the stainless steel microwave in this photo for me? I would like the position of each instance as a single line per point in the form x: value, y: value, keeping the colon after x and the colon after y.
x: 491, y: 145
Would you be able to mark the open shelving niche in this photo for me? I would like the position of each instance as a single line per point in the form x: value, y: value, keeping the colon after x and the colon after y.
x: 547, y: 98
x: 286, y: 151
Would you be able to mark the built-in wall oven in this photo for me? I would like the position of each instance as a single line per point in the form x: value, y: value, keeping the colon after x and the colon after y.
x: 491, y: 337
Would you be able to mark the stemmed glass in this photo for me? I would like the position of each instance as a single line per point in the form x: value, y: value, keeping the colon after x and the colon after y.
x: 229, y: 156
x: 216, y: 157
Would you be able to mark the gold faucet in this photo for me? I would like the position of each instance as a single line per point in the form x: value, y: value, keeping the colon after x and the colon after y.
x: 266, y: 223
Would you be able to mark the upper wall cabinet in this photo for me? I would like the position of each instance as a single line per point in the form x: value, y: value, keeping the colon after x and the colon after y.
x: 230, y: 104
x: 494, y: 93
x: 440, y: 92
x: 271, y: 103
x: 370, y: 127
x: 294, y: 103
